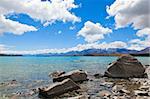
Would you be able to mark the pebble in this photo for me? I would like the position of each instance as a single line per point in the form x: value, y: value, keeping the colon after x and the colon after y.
x: 141, y: 93
x: 104, y: 93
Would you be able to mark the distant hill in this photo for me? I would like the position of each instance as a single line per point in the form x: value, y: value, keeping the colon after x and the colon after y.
x: 145, y: 51
x: 102, y: 52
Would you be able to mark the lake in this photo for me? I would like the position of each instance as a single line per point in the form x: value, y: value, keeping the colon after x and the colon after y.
x: 27, y: 70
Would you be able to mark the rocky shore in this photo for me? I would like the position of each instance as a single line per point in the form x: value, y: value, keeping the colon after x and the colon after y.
x: 126, y: 78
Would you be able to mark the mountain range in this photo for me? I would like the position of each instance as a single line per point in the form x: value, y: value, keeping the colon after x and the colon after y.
x: 93, y: 52
x: 98, y: 52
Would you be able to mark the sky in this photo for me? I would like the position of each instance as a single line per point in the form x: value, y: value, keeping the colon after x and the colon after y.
x: 56, y: 26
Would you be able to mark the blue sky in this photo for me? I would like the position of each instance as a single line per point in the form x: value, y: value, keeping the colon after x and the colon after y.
x: 57, y: 34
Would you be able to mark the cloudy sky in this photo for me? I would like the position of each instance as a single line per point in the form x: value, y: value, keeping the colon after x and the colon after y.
x: 33, y: 26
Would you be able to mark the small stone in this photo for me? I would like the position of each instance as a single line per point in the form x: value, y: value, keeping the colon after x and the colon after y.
x: 104, y: 93
x: 56, y: 74
x: 145, y: 88
x: 124, y: 91
x: 117, y: 88
x: 80, y: 97
x: 13, y: 81
x: 141, y: 93
x: 107, y: 84
x: 147, y: 65
x: 98, y: 75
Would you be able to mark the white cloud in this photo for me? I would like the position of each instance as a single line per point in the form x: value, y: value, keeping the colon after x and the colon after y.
x: 93, y: 32
x: 117, y: 44
x: 56, y: 10
x: 7, y: 25
x: 135, y: 12
x: 79, y: 47
x: 135, y: 47
x: 72, y: 27
x: 143, y: 32
x: 59, y: 32
x: 47, y: 12
x: 134, y: 41
x: 2, y: 48
x: 141, y: 44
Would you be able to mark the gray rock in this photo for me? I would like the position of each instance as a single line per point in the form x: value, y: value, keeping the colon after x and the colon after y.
x: 76, y: 75
x: 58, y: 88
x: 56, y: 74
x: 126, y: 66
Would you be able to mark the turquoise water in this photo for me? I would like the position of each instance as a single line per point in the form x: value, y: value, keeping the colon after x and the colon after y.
x: 37, y: 68
x: 26, y: 70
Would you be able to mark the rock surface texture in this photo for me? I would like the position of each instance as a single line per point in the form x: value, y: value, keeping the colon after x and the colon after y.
x: 58, y: 88
x: 76, y: 76
x: 126, y: 67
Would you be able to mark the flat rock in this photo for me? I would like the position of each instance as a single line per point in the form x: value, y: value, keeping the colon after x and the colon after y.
x: 126, y: 66
x: 58, y: 88
x: 76, y: 76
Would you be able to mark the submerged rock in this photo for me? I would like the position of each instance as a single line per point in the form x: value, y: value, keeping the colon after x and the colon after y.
x: 126, y: 66
x: 76, y: 75
x: 58, y: 88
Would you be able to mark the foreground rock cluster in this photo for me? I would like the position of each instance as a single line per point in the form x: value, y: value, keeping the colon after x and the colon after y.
x: 124, y: 86
x: 64, y: 82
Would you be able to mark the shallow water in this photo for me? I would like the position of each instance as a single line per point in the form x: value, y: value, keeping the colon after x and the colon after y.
x: 27, y: 70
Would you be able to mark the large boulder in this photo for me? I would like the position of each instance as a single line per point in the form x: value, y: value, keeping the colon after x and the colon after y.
x: 75, y: 75
x: 58, y: 88
x: 126, y: 66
